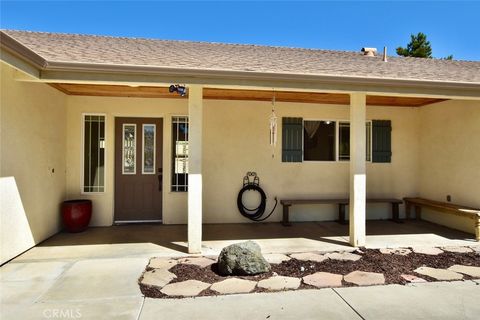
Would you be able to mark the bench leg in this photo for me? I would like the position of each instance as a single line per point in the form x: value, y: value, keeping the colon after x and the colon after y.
x: 477, y: 229
x: 286, y: 220
x: 418, y: 212
x: 341, y: 214
x: 408, y: 209
x: 396, y: 213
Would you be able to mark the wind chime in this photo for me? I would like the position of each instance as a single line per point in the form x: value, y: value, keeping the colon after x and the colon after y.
x: 273, y: 127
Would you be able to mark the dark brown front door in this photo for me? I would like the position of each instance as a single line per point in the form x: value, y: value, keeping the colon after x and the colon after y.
x: 138, y: 169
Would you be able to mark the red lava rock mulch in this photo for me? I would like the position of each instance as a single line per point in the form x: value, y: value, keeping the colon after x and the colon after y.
x: 390, y: 265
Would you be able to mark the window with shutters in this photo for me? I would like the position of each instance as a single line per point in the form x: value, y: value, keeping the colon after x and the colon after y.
x: 328, y: 140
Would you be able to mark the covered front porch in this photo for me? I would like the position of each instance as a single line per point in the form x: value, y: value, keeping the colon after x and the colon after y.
x: 150, y: 240
x: 429, y: 131
x: 228, y: 135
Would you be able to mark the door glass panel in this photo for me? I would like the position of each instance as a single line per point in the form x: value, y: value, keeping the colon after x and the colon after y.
x: 129, y: 148
x: 148, y: 149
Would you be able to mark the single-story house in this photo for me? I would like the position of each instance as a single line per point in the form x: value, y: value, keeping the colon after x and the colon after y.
x: 165, y: 131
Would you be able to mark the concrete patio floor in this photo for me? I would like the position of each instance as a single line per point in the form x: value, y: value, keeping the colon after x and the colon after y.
x: 147, y: 240
x: 93, y: 275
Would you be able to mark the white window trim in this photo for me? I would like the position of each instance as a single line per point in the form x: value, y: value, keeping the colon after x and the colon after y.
x: 338, y: 136
x: 337, y: 132
x: 338, y: 140
x: 154, y: 147
x: 134, y: 149
x: 82, y: 155
x: 371, y: 141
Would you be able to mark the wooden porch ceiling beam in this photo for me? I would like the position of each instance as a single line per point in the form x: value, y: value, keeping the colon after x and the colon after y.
x: 237, y: 94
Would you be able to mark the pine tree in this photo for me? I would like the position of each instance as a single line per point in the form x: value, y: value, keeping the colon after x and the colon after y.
x: 418, y: 46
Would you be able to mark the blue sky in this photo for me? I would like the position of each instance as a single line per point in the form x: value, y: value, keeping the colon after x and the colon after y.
x: 452, y: 27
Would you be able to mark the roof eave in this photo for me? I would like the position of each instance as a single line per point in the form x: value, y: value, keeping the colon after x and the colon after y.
x: 16, y: 48
x: 255, y: 76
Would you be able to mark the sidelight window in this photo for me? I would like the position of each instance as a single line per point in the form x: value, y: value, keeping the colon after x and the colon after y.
x: 180, y: 154
x: 93, y: 153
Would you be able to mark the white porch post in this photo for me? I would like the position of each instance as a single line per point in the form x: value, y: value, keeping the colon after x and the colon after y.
x: 358, y: 186
x: 195, y: 114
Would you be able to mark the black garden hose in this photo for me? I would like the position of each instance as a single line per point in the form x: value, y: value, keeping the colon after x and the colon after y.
x: 257, y: 213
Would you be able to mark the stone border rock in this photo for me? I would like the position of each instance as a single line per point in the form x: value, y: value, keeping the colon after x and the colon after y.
x: 158, y: 276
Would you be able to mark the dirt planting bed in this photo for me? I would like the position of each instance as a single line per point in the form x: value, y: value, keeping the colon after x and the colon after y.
x: 392, y: 266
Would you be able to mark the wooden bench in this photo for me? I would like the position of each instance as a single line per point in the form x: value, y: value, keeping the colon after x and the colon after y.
x: 342, y: 203
x: 418, y: 203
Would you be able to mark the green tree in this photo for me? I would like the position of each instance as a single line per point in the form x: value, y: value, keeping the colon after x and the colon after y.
x: 418, y: 46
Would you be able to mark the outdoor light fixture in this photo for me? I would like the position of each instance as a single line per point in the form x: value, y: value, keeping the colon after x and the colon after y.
x: 181, y: 90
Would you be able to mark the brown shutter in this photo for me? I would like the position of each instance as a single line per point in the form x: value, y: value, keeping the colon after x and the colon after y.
x: 292, y: 139
x: 381, y: 141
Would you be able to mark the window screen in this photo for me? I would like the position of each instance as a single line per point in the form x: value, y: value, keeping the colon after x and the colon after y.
x: 344, y: 141
x: 319, y: 141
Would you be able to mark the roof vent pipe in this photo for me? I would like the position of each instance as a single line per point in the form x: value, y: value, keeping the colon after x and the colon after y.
x: 369, y: 52
x: 385, y: 54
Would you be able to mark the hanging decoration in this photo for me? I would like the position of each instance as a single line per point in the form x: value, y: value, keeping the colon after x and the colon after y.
x: 273, y: 127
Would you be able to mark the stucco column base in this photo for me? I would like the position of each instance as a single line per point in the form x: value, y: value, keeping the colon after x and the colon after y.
x: 195, y: 113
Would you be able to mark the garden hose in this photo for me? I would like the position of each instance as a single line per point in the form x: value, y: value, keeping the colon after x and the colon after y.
x: 256, y: 213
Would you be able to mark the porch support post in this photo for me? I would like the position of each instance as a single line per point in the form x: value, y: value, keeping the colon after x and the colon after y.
x: 195, y: 113
x: 357, y: 205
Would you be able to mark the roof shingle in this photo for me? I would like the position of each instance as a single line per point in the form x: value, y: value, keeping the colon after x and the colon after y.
x: 74, y: 48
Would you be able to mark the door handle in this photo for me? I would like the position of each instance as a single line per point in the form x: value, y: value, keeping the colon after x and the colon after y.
x: 160, y: 179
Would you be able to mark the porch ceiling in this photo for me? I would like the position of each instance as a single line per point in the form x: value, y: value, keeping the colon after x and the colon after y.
x: 236, y: 94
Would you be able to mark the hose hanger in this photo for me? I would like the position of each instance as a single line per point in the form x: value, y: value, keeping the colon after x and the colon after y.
x: 251, y: 182
x: 247, y: 179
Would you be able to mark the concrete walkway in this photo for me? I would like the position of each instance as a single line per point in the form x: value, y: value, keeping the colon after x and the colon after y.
x: 455, y: 300
x: 93, y: 275
x: 107, y: 289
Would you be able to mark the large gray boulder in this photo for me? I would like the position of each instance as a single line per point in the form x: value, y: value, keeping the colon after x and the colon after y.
x: 241, y: 259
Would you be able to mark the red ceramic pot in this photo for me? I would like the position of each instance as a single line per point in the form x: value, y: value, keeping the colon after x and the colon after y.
x: 76, y: 214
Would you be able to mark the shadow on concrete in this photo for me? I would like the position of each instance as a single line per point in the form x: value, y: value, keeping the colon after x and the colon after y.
x: 175, y: 236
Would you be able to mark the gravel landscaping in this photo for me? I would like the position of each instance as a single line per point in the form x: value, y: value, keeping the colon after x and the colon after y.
x: 362, y: 267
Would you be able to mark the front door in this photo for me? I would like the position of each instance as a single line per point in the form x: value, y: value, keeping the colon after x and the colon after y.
x: 138, y: 169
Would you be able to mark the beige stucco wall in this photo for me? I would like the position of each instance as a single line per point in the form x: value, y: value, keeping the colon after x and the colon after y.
x: 174, y: 204
x: 450, y: 157
x: 32, y: 162
x: 236, y: 141
x: 244, y: 146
